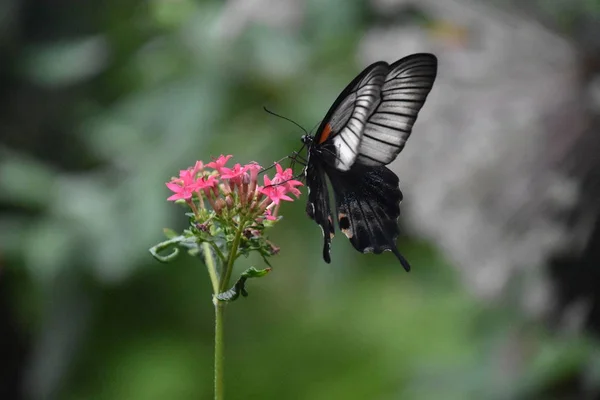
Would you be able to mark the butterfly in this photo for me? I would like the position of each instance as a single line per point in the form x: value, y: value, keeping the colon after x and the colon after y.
x: 364, y: 130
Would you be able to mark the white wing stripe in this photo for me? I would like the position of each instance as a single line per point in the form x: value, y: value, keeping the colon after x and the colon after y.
x: 394, y: 124
x: 403, y: 93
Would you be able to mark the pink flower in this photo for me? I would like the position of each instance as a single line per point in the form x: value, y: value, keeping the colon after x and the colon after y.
x: 283, y: 175
x: 180, y: 190
x: 186, y: 177
x: 205, y: 182
x: 234, y: 174
x: 219, y: 163
x: 254, y: 168
x: 285, y: 178
x: 182, y: 187
x: 274, y: 192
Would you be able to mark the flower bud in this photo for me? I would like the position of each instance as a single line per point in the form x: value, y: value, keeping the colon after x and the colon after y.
x: 244, y: 188
x: 253, y: 206
x: 229, y: 201
x: 245, y: 179
x: 274, y: 249
x: 219, y: 205
x: 244, y: 193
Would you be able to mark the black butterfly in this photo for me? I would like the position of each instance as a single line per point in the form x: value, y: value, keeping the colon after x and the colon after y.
x: 363, y: 131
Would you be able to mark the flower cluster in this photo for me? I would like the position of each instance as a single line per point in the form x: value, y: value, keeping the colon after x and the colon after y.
x: 234, y: 191
x: 230, y: 209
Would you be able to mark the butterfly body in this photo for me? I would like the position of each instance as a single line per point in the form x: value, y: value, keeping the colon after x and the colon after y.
x: 363, y: 131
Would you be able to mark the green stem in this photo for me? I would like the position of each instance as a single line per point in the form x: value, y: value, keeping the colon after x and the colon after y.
x: 219, y: 353
x: 226, y: 276
x: 212, y: 268
x: 219, y: 311
x: 220, y: 286
x: 218, y: 251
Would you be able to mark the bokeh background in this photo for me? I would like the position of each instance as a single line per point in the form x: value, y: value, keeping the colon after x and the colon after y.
x: 103, y: 101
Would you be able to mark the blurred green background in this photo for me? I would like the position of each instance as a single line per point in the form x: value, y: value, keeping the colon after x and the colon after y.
x: 102, y: 102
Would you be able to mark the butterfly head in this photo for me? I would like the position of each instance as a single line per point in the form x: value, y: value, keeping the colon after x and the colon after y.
x: 306, y: 139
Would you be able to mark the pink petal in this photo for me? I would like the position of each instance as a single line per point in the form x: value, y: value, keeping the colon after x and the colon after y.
x: 219, y: 162
x: 285, y: 197
x: 295, y: 192
x: 267, y: 181
x: 279, y: 169
x: 199, y: 166
x: 174, y: 187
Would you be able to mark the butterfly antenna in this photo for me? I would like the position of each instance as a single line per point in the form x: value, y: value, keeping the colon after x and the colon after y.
x: 295, y: 157
x: 287, y: 119
x: 275, y: 163
x: 299, y: 176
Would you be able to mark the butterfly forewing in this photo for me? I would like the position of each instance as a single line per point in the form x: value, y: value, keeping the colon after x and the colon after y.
x: 403, y: 93
x: 344, y: 123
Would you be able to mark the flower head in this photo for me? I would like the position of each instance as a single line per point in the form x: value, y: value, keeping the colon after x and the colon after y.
x: 234, y: 174
x: 186, y: 177
x: 219, y: 163
x: 205, y: 182
x: 274, y: 191
x: 283, y: 174
x: 286, y: 178
x: 182, y: 189
x: 253, y: 168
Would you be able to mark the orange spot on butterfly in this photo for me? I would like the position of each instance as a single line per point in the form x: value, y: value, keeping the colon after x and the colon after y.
x: 325, y: 134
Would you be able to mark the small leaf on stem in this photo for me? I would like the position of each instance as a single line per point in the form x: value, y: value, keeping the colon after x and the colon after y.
x: 171, y: 243
x: 240, y: 286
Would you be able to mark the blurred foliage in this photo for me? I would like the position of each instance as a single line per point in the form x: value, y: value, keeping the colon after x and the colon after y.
x: 104, y: 102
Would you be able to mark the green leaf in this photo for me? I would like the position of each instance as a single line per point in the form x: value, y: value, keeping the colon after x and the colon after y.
x: 170, y: 233
x: 240, y: 286
x: 171, y: 243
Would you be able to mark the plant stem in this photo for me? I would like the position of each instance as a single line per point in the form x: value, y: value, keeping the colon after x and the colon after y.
x: 219, y: 347
x: 219, y: 311
x: 210, y: 265
x: 226, y: 276
x: 219, y: 286
x: 219, y: 253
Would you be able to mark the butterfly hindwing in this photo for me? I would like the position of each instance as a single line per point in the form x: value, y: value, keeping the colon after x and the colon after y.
x: 368, y: 206
x: 402, y: 95
x: 317, y: 206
